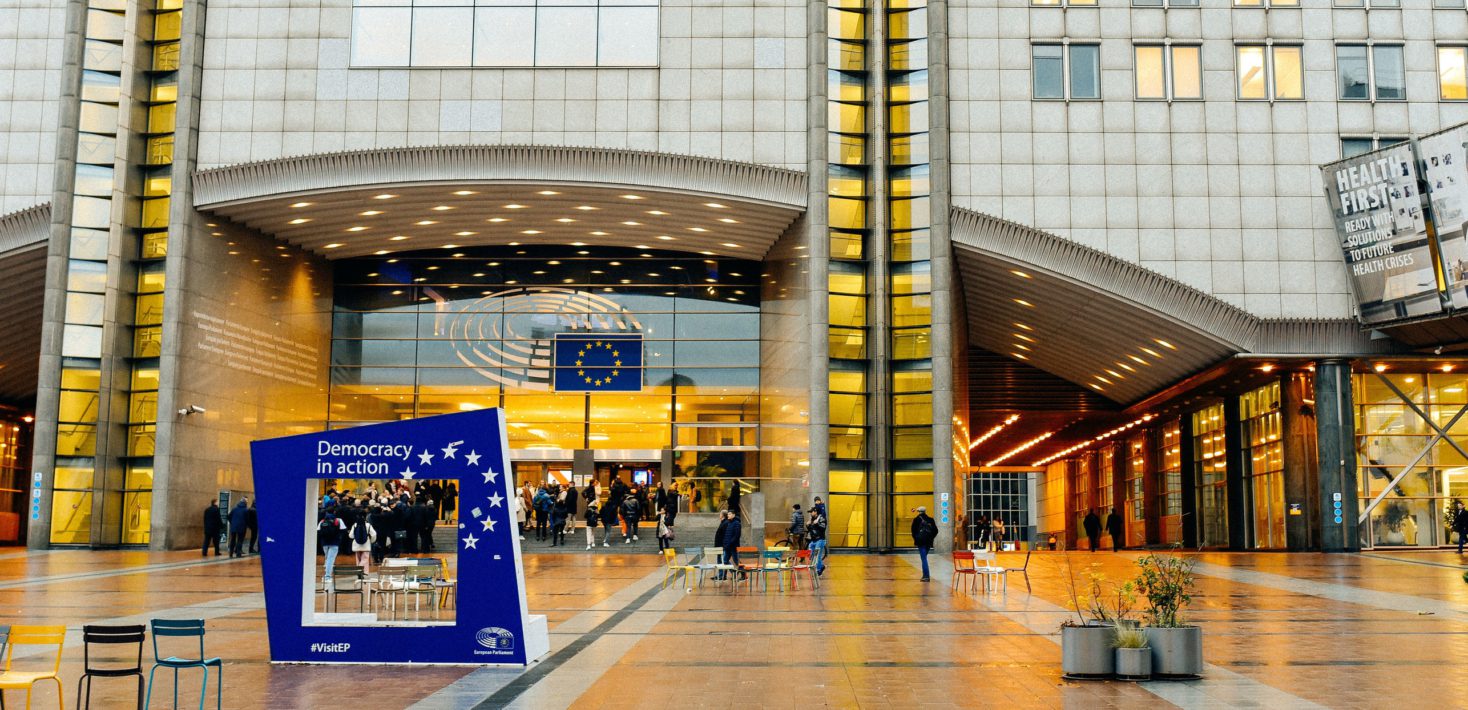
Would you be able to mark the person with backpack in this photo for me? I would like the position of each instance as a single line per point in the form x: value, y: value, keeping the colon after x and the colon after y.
x: 558, y: 520
x: 924, y: 532
x: 608, y: 522
x: 797, y: 528
x: 363, y: 537
x: 329, y: 535
x: 542, y: 513
x: 592, y: 515
x: 631, y: 512
x: 816, y: 530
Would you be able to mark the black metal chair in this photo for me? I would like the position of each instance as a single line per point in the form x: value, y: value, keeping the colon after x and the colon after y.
x: 93, y: 634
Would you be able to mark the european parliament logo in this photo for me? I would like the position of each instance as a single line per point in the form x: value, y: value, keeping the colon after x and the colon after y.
x: 592, y: 362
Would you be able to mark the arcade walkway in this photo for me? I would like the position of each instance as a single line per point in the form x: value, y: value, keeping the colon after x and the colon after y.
x: 1294, y: 630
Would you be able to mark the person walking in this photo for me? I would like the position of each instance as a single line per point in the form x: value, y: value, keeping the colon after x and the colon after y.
x: 252, y: 526
x: 997, y: 534
x: 1115, y: 526
x: 815, y: 528
x: 237, y: 529
x: 329, y: 536
x: 924, y: 532
x: 660, y: 498
x: 631, y: 512
x: 797, y: 528
x: 402, y: 527
x: 1092, y: 526
x: 982, y: 527
x: 719, y: 534
x: 1460, y: 524
x: 569, y: 495
x: 593, y: 514
x: 450, y: 501
x: 731, y: 542
x: 214, y: 524
x: 363, y: 536
x: 608, y: 522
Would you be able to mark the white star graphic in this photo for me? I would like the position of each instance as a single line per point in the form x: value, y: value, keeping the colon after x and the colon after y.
x: 470, y: 541
x: 490, y: 476
x: 488, y: 524
x: 409, y: 473
x: 472, y: 458
x: 448, y: 451
x: 495, y: 500
x: 426, y: 458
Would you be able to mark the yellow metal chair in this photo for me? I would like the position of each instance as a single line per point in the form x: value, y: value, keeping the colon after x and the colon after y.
x: 670, y: 556
x: 26, y: 680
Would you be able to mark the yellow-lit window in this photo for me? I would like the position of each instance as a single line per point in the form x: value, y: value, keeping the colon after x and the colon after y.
x: 150, y: 279
x: 908, y: 118
x: 848, y: 518
x: 912, y: 310
x: 844, y: 213
x: 161, y: 118
x: 912, y: 481
x: 912, y: 343
x: 909, y: 150
x: 911, y: 246
x: 158, y: 184
x: 907, y: 25
x: 910, y: 182
x: 1187, y: 72
x: 848, y: 480
x: 80, y: 379
x: 160, y: 150
x: 77, y: 406
x: 846, y: 343
x: 147, y: 342
x: 847, y: 150
x: 846, y: 183
x: 165, y: 89
x: 846, y: 245
x: 165, y: 56
x: 166, y: 26
x: 71, y: 517
x: 846, y: 25
x: 1253, y: 83
x: 847, y: 56
x: 76, y: 440
x: 155, y: 213
x: 848, y: 442
x: 142, y: 439
x: 149, y: 309
x: 912, y: 381
x: 154, y: 245
x: 914, y: 280
x: 845, y: 87
x: 912, y: 442
x: 137, y: 517
x: 848, y: 409
x: 903, y: 56
x: 847, y: 282
x: 848, y: 311
x: 911, y: 214
x: 143, y: 407
x: 846, y: 118
x: 912, y: 409
x: 1451, y: 80
x: 145, y: 378
x: 1151, y: 73
x: 1289, y: 77
x: 848, y: 381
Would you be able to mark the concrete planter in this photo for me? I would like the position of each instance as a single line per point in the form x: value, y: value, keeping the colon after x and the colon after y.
x: 1086, y: 651
x: 1176, y: 652
x: 1133, y: 663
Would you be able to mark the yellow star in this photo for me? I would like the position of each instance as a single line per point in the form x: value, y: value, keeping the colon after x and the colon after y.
x: 588, y: 380
x: 578, y: 363
x: 608, y: 346
x: 616, y: 354
x: 598, y: 343
x: 598, y: 383
x: 582, y: 353
x: 580, y: 373
x: 614, y: 374
x: 618, y: 363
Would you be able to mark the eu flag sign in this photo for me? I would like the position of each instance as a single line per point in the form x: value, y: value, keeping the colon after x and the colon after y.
x: 592, y: 362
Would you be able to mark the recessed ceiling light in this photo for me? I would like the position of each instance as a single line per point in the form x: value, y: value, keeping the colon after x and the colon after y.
x: 726, y: 220
x: 302, y: 204
x: 1019, y: 273
x: 384, y: 196
x: 554, y: 262
x: 614, y: 263
x: 1024, y: 337
x: 397, y: 238
x: 597, y: 271
x: 1023, y: 302
x: 380, y: 252
x: 514, y: 207
x: 547, y: 192
x: 631, y: 197
x: 659, y: 213
x: 356, y: 229
x: 1151, y: 352
x: 513, y: 244
x: 715, y: 205
x: 707, y: 253
x: 633, y: 224
x: 1137, y: 360
x: 599, y: 234
x: 333, y: 245
x: 497, y: 220
x: 442, y: 208
x: 697, y: 229
x: 578, y: 244
x: 565, y: 220
x: 300, y: 220
x: 461, y: 193
x: 583, y: 253
x: 451, y: 246
x: 585, y: 208
x: 1019, y: 356
x: 392, y: 261
x: 370, y: 213
x: 642, y: 246
x: 1165, y: 344
x: 530, y: 231
x: 538, y: 272
x: 433, y: 268
x: 1021, y: 346
x: 426, y: 222
x: 665, y: 238
x: 731, y: 245
x: 1022, y: 326
x: 465, y: 234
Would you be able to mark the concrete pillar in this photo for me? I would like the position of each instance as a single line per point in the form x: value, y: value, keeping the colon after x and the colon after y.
x: 1234, y: 453
x: 1335, y: 426
x: 1151, y: 487
x: 1189, y: 476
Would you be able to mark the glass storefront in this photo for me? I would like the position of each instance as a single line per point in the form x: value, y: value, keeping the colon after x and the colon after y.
x: 1390, y: 436
x: 1169, y: 459
x: 1136, y: 506
x: 1261, y: 422
x: 1210, y: 472
x: 584, y: 347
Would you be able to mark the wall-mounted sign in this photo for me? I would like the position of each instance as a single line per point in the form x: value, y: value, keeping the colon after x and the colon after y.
x: 1445, y: 171
x: 1380, y: 221
x: 490, y: 623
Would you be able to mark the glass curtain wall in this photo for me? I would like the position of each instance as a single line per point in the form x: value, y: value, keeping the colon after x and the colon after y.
x: 909, y: 217
x: 1261, y: 423
x: 849, y: 160
x: 1000, y: 495
x: 1210, y: 467
x: 1136, y: 503
x: 1169, y: 460
x: 1083, y: 477
x: 1390, y: 436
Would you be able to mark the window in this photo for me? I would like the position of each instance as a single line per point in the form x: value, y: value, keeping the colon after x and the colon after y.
x: 1379, y: 3
x: 1270, y: 72
x: 1266, y: 3
x: 1164, y: 3
x: 1169, y: 72
x: 1452, y: 84
x: 510, y: 33
x: 1371, y: 72
x: 1055, y: 78
x: 1067, y: 3
x: 1353, y: 146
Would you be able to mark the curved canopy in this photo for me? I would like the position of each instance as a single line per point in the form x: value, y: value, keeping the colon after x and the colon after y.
x: 384, y: 201
x: 23, y: 239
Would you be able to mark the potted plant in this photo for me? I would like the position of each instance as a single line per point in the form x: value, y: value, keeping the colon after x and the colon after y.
x: 1133, y: 657
x: 1166, y: 582
x: 1394, y: 515
x: 1086, y: 644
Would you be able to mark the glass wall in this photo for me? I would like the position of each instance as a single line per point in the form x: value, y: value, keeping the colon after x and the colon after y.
x: 1261, y: 423
x: 1002, y: 496
x: 1136, y: 503
x: 1389, y: 436
x: 1169, y: 460
x: 441, y: 331
x: 1210, y: 472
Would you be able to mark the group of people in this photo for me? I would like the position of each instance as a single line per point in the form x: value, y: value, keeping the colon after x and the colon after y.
x: 989, y: 532
x: 806, y: 533
x: 242, y: 519
x: 552, y: 510
x: 1114, y: 527
x: 377, y: 524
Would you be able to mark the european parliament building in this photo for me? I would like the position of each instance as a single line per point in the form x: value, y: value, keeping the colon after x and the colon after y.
x: 999, y: 259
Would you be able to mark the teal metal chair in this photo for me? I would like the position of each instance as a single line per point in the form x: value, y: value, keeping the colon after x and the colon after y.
x: 188, y: 628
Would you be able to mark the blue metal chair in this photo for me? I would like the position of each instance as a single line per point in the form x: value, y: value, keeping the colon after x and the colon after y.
x: 184, y: 628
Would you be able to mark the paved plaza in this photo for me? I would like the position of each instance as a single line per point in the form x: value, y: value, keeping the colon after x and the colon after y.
x: 1282, y: 630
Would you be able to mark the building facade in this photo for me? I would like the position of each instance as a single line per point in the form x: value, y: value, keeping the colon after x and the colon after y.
x: 1005, y: 258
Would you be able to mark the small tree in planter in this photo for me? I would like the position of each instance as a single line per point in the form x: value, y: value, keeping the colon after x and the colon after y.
x: 1166, y: 582
x: 1086, y: 643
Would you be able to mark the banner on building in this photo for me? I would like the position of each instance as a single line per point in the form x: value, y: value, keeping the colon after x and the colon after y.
x: 1382, y: 227
x: 468, y: 603
x: 1444, y: 163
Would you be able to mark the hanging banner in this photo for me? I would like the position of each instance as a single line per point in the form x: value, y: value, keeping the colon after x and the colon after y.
x: 1445, y: 170
x: 1383, y: 234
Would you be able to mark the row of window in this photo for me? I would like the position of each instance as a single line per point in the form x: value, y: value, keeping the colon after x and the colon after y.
x: 1272, y: 72
x: 621, y: 35
x: 1446, y: 4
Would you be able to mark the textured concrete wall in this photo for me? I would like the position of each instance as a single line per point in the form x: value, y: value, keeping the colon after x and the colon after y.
x: 1221, y: 194
x: 31, y: 39
x: 731, y: 84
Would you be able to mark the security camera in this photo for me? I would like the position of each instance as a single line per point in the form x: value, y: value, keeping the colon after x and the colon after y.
x: 1438, y: 350
x: 191, y: 409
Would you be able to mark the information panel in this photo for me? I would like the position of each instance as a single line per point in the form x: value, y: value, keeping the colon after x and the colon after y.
x: 1379, y: 219
x: 1446, y: 174
x: 484, y: 592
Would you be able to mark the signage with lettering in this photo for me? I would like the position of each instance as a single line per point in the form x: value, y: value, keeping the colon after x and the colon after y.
x: 1380, y: 220
x: 491, y: 625
x: 1445, y: 171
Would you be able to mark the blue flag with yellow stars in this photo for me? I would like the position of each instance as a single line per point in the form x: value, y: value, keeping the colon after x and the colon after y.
x: 592, y: 362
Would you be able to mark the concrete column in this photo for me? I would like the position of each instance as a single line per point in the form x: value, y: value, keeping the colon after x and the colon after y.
x: 1335, y: 426
x: 945, y: 286
x: 818, y: 246
x: 1151, y: 487
x: 1234, y: 453
x: 1189, y: 476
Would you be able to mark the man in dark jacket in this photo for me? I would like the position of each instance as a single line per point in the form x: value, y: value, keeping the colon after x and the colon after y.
x: 1115, y: 526
x: 237, y: 529
x: 670, y: 507
x: 924, y: 532
x: 797, y: 528
x: 1092, y: 525
x: 381, y: 520
x: 731, y: 542
x: 402, y: 517
x: 631, y: 513
x: 719, y: 535
x: 424, y: 513
x: 608, y: 522
x: 213, y: 523
x: 1460, y: 523
x: 252, y: 526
